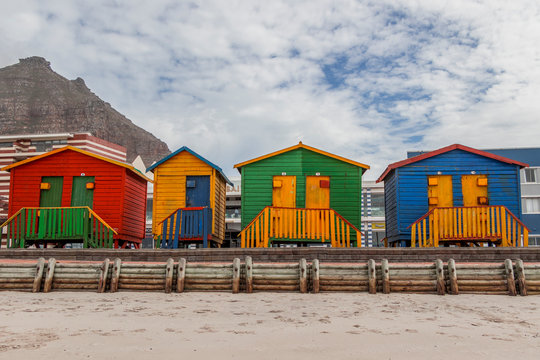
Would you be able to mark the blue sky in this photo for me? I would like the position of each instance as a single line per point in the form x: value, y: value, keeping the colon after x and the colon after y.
x: 237, y: 79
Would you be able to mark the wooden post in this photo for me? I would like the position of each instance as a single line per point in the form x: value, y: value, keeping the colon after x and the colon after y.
x: 441, y: 287
x: 104, y: 274
x: 372, y: 275
x: 249, y: 275
x: 509, y: 268
x: 521, y: 277
x: 50, y: 274
x: 315, y: 271
x: 236, y: 276
x: 385, y: 270
x: 116, y: 275
x: 39, y: 275
x: 169, y: 271
x: 303, y: 276
x: 181, y: 275
x: 452, y: 274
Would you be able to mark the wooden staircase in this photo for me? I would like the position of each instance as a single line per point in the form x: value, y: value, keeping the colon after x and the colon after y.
x: 469, y: 226
x: 58, y: 225
x: 299, y: 225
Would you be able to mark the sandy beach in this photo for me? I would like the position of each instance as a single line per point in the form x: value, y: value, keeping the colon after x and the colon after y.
x: 129, y: 325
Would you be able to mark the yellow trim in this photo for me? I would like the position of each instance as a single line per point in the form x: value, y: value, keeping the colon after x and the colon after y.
x: 302, y: 146
x: 119, y: 163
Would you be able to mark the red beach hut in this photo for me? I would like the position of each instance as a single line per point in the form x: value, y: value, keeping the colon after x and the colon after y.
x: 70, y: 195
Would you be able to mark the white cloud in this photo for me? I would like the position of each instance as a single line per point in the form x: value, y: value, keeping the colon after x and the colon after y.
x: 234, y: 80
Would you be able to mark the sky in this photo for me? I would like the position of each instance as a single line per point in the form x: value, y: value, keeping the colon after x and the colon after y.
x: 233, y: 80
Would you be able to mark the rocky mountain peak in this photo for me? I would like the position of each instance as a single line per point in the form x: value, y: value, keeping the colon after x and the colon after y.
x: 36, y: 100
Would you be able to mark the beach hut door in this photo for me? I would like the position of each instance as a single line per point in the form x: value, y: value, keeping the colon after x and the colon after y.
x: 284, y: 191
x: 475, y: 190
x: 440, y: 192
x: 82, y: 192
x: 197, y: 191
x: 51, y: 191
x: 317, y: 192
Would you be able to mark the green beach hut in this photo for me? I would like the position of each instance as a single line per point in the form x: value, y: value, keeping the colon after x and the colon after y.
x: 301, y: 195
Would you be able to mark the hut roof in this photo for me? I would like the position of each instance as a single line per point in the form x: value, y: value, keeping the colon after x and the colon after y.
x: 445, y: 150
x: 84, y: 152
x: 301, y: 146
x: 185, y: 148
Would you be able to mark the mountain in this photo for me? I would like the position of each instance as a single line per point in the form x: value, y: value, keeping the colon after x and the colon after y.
x: 36, y: 100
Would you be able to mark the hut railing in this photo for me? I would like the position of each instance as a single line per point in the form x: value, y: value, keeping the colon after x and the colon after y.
x: 186, y: 224
x: 300, y: 224
x: 58, y: 224
x: 468, y: 225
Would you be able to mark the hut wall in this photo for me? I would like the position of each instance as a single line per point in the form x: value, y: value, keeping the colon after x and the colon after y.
x: 412, y: 198
x: 220, y: 208
x: 345, y: 182
x: 134, y: 207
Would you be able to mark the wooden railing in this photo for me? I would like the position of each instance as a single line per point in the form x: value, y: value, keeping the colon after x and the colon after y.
x: 185, y: 224
x: 35, y: 225
x: 469, y: 225
x: 298, y: 224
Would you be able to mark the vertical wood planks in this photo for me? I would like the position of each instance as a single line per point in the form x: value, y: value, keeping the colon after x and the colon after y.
x: 439, y: 269
x: 181, y: 275
x: 522, y: 284
x: 50, y: 275
x: 303, y: 276
x: 236, y: 276
x: 509, y: 269
x: 116, y: 275
x: 249, y: 275
x: 169, y: 271
x: 452, y: 275
x: 372, y: 276
x: 103, y: 276
x: 36, y: 286
x: 385, y: 274
x: 315, y: 276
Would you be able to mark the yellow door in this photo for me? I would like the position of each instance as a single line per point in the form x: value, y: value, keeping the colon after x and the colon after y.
x: 475, y: 190
x: 440, y: 192
x: 284, y: 191
x: 317, y: 192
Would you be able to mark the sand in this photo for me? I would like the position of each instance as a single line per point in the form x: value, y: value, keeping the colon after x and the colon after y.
x: 129, y: 325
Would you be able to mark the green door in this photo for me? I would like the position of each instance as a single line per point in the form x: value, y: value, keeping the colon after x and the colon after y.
x: 51, y: 191
x: 81, y: 195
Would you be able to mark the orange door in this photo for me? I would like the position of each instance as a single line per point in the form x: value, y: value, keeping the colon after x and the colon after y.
x: 284, y: 191
x: 317, y: 192
x: 475, y: 190
x: 440, y: 192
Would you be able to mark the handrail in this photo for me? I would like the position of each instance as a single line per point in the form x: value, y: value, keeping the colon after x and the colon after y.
x: 469, y: 225
x: 60, y: 207
x: 299, y: 224
x: 180, y: 208
x: 58, y: 224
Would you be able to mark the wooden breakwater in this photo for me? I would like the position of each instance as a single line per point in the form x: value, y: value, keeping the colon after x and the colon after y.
x: 394, y: 255
x: 438, y: 277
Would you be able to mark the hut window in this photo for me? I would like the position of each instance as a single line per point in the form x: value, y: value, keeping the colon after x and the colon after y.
x: 191, y: 184
x: 482, y: 200
x: 482, y: 181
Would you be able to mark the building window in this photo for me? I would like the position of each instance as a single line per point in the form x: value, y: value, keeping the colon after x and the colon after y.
x: 534, y: 240
x: 531, y: 175
x: 531, y: 205
x: 377, y: 204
